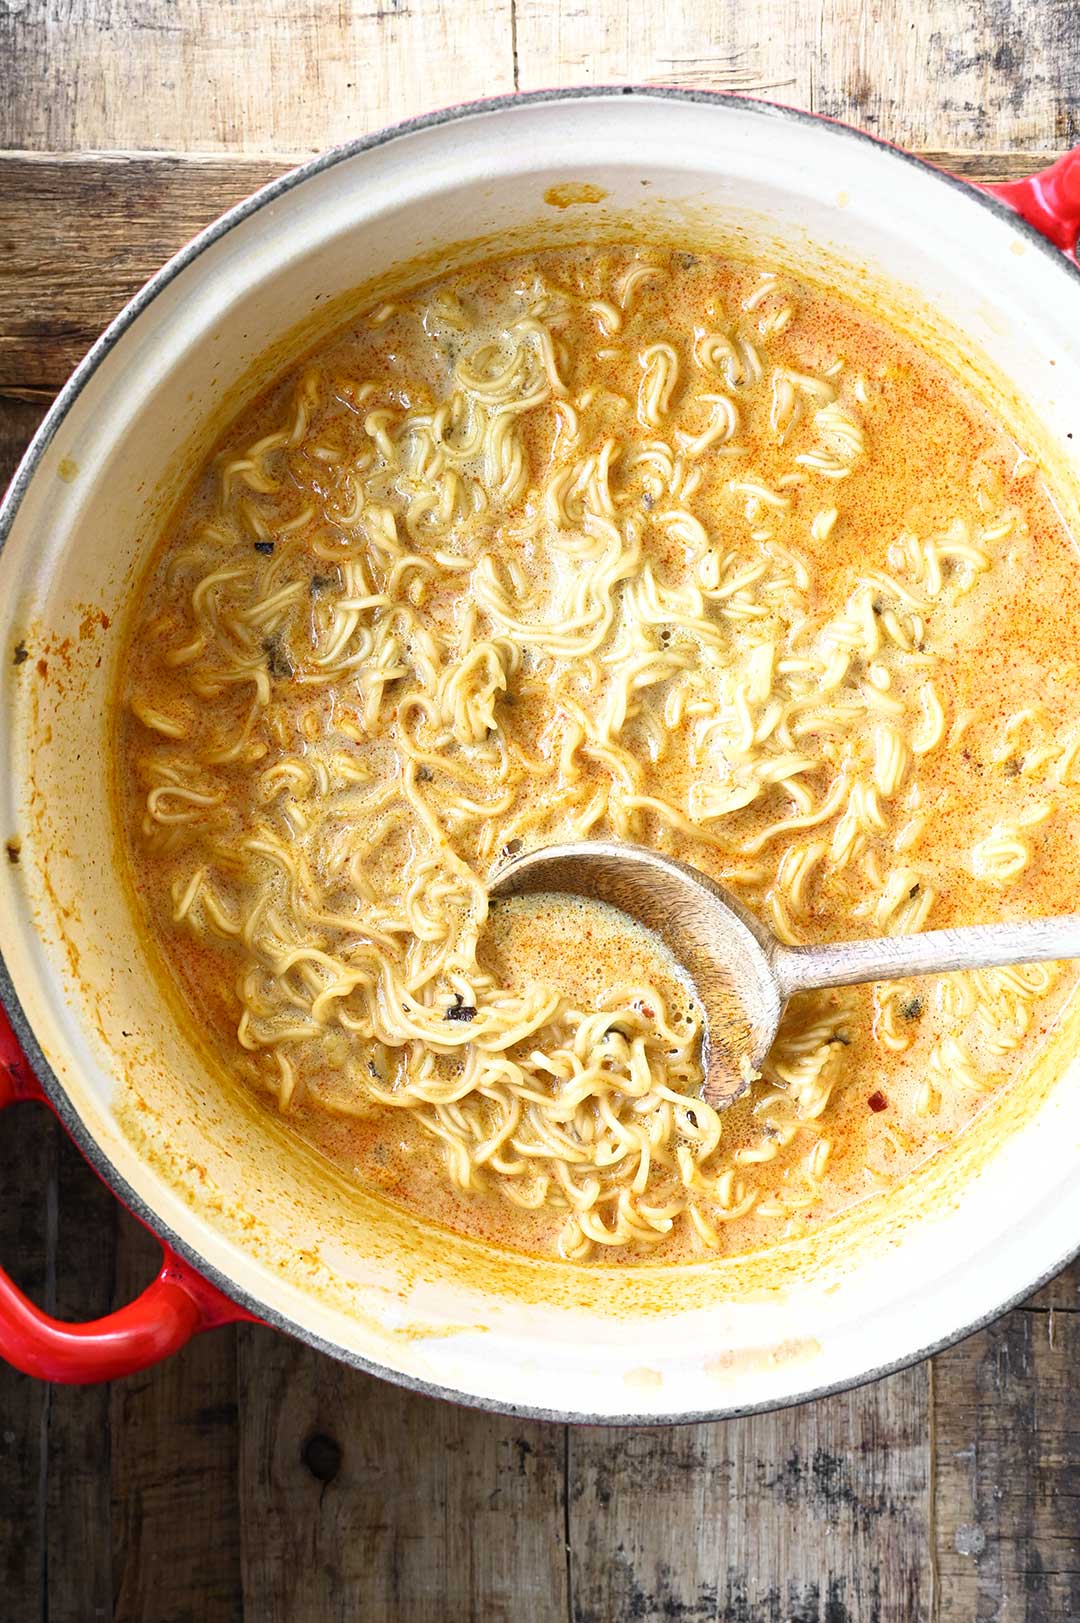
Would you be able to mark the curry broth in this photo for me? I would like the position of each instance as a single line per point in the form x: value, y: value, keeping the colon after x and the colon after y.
x: 946, y: 561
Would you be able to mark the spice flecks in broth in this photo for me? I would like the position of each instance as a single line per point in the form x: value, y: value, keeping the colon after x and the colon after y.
x: 604, y: 542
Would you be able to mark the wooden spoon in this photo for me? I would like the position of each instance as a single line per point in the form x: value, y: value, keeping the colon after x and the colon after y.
x: 742, y: 975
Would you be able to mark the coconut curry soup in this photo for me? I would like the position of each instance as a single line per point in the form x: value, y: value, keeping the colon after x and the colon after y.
x: 603, y: 542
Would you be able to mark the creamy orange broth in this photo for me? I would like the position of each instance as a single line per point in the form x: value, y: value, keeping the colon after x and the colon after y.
x: 694, y: 555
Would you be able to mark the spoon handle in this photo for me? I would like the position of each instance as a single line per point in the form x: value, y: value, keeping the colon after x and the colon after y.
x: 935, y: 952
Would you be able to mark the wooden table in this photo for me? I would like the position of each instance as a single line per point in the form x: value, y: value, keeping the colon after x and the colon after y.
x: 254, y: 1479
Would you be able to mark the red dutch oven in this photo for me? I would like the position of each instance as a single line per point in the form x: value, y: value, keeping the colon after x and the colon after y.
x: 89, y: 1034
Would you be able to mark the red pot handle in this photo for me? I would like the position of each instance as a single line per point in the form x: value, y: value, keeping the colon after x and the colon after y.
x: 1049, y: 200
x: 178, y: 1305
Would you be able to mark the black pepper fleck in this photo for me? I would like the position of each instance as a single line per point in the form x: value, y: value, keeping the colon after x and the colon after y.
x: 265, y: 547
x: 278, y: 662
x: 21, y: 653
x: 912, y: 1009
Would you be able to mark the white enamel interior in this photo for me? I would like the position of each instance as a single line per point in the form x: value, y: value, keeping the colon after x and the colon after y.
x: 315, y: 1256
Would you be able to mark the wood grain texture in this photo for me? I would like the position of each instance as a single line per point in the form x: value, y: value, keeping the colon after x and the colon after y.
x: 114, y: 219
x: 78, y: 1499
x: 20, y: 413
x: 201, y: 76
x: 194, y: 75
x: 57, y: 1229
x: 174, y: 1444
x: 27, y: 1215
x: 818, y: 1514
x: 944, y: 73
x: 1007, y: 1472
x: 1062, y: 1295
x: 363, y: 1500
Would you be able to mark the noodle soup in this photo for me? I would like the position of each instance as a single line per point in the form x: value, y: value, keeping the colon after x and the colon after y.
x: 603, y: 542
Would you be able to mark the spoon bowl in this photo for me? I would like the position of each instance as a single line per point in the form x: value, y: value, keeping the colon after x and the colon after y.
x: 742, y: 975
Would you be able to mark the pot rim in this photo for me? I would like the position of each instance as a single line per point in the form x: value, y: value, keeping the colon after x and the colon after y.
x: 53, y: 1090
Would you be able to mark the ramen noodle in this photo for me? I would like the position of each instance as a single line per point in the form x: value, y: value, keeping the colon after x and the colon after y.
x: 603, y: 542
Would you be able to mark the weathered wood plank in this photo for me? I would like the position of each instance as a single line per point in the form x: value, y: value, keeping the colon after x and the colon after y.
x: 79, y: 1509
x: 362, y: 1500
x: 1007, y: 1472
x: 814, y: 1515
x: 953, y: 72
x: 989, y: 166
x: 201, y: 77
x: 175, y: 1444
x: 946, y: 73
x: 57, y: 1240
x: 27, y: 1226
x: 1061, y: 1295
x: 19, y: 419
x: 114, y: 219
x: 166, y: 76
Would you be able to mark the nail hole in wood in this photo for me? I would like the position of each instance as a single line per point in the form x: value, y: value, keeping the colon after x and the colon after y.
x: 322, y: 1456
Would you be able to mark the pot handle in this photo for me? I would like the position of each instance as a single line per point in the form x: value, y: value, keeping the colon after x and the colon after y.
x: 176, y: 1306
x: 1049, y: 200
